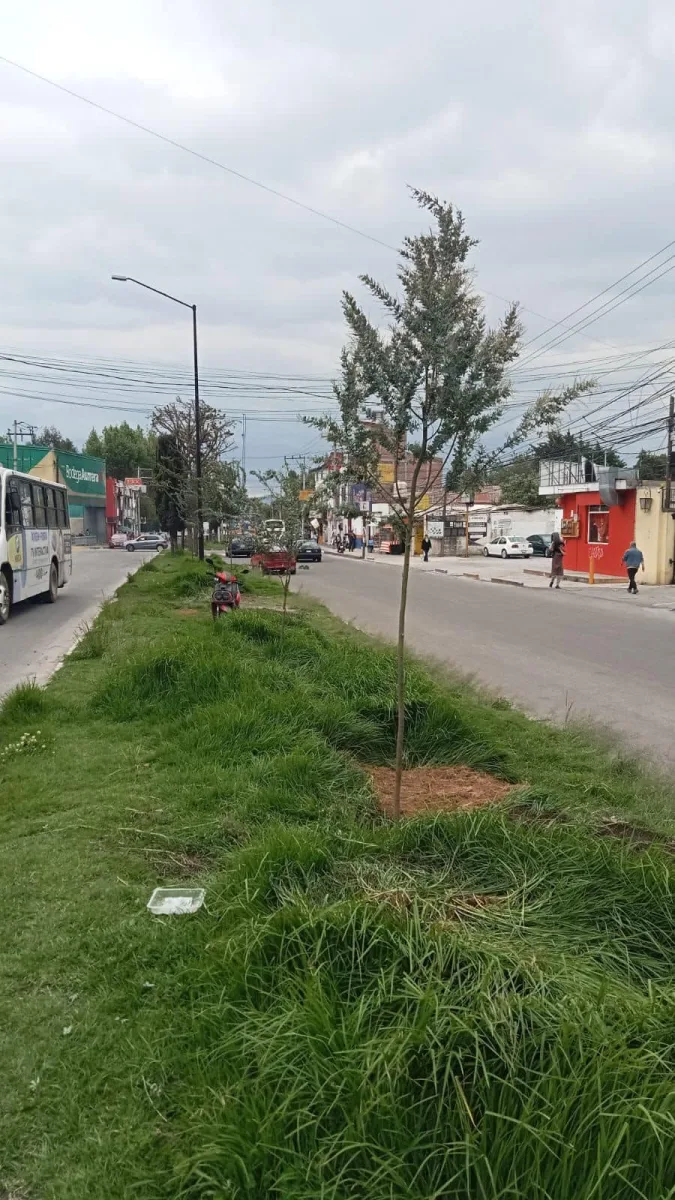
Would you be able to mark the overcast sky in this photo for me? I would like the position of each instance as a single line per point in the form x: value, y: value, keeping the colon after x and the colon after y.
x: 550, y: 125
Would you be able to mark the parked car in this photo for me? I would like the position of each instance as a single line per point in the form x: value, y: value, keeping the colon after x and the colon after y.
x: 308, y: 552
x: 241, y: 547
x: 117, y: 541
x: 147, y: 541
x: 541, y: 544
x: 507, y: 547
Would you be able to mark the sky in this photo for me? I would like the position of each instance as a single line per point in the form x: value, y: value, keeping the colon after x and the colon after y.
x: 550, y: 126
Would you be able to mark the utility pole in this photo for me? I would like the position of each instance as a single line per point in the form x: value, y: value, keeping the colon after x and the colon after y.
x: 669, y: 504
x: 243, y: 447
x: 21, y: 430
x: 668, y: 496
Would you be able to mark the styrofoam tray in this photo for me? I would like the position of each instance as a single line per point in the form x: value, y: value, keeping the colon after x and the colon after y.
x: 170, y: 902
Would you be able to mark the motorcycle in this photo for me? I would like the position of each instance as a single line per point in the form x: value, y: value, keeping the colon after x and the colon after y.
x: 225, y: 596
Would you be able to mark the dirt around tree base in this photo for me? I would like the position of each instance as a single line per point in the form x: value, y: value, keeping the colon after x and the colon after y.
x: 437, y: 789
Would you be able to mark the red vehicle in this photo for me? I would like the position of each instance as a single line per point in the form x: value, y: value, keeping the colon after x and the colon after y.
x: 274, y: 561
x: 225, y: 596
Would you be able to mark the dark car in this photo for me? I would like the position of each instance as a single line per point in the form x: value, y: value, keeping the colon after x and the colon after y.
x: 309, y: 552
x: 540, y: 543
x: 241, y: 547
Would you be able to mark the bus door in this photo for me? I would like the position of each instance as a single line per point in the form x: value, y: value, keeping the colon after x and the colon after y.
x: 16, y: 548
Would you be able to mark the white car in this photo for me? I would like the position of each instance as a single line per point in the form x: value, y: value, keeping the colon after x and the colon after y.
x: 117, y: 541
x: 507, y: 547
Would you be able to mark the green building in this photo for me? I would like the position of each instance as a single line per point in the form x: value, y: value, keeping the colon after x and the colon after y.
x: 83, y: 476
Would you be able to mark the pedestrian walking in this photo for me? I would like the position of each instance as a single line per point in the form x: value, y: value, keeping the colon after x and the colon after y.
x: 557, y: 551
x: 633, y: 559
x: 352, y: 540
x: 426, y: 547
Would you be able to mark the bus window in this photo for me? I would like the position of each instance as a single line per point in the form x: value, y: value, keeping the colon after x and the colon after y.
x: 62, y: 509
x: 26, y: 504
x: 12, y: 508
x: 52, y: 514
x: 39, y: 507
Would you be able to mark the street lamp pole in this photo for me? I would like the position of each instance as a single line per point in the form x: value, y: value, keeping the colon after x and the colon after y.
x: 198, y: 420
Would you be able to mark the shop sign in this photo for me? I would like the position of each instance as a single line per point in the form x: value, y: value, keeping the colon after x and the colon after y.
x: 570, y: 527
x: 435, y: 529
x: 84, y: 475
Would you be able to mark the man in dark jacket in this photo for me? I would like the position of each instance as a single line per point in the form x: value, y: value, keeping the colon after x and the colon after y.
x: 426, y: 547
x: 632, y: 560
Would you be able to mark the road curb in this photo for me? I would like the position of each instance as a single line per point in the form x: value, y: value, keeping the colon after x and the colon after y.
x: 510, y: 582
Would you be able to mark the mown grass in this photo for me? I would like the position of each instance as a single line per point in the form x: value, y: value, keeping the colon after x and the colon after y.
x: 474, y: 1006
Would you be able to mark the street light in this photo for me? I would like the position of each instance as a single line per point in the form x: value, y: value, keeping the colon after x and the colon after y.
x: 198, y: 423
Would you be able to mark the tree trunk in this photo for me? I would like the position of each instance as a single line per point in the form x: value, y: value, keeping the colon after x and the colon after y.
x: 400, y: 663
x: 285, y: 585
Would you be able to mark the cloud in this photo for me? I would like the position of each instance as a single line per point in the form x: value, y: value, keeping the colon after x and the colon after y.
x: 549, y: 125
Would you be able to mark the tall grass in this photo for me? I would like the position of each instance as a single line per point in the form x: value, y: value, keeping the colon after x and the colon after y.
x: 470, y: 1006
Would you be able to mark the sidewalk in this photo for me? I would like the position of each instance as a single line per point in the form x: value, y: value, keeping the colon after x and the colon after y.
x: 527, y: 573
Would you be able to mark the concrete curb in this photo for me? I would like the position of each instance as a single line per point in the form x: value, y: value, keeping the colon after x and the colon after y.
x: 510, y: 582
x: 599, y: 579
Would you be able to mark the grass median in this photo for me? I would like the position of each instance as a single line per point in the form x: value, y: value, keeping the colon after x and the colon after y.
x: 475, y: 1005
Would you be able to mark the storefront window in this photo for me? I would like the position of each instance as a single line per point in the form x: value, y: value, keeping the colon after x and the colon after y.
x: 598, y: 525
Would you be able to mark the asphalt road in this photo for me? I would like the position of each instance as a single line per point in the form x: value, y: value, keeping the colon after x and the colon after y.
x: 553, y: 652
x: 37, y: 635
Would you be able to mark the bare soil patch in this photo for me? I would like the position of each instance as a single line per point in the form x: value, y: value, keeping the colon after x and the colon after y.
x: 438, y: 789
x: 640, y: 837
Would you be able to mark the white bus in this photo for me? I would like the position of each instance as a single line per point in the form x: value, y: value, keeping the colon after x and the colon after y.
x: 35, y: 540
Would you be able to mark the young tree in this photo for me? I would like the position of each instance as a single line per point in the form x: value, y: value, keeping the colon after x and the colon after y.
x: 420, y: 395
x: 224, y: 495
x: 283, y: 487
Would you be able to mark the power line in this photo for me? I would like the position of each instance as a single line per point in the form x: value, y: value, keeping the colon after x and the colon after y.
x: 604, y: 309
x: 317, y: 212
x: 604, y: 291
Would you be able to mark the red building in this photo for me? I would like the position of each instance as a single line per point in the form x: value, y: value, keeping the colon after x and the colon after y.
x: 595, y: 530
x: 604, y: 509
x: 111, y: 518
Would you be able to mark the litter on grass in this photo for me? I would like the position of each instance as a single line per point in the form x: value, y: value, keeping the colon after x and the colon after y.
x: 171, y: 902
x: 437, y: 789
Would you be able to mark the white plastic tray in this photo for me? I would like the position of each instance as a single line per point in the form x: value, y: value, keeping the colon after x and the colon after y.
x: 170, y: 902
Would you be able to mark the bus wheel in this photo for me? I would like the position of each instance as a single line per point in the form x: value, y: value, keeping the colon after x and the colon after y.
x: 5, y: 597
x: 53, y: 592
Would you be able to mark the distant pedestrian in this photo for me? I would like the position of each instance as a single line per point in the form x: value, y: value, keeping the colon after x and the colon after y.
x: 352, y: 540
x: 426, y: 547
x: 371, y: 544
x: 557, y: 551
x: 633, y: 559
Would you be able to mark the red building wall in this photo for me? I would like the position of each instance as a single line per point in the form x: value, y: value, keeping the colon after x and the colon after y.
x: 110, y: 506
x: 621, y: 532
